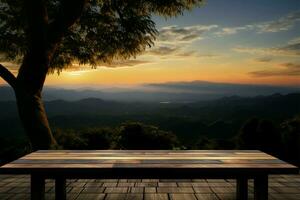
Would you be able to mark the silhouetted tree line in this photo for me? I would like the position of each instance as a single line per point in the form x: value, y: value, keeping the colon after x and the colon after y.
x: 281, y: 140
x: 129, y: 135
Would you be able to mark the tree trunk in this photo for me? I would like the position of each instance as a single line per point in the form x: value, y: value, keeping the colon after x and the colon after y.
x: 43, y: 39
x: 34, y: 119
x: 28, y: 90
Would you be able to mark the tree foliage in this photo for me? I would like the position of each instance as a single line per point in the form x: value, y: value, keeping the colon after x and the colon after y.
x: 48, y: 35
x: 88, y: 138
x: 291, y: 137
x: 260, y: 134
x: 134, y: 135
x: 106, y: 30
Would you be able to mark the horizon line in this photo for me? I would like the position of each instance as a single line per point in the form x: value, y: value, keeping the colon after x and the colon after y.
x: 126, y: 85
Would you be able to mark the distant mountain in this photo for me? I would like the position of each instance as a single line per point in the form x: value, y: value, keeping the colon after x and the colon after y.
x: 220, y: 118
x: 276, y: 104
x: 222, y: 89
x: 178, y: 92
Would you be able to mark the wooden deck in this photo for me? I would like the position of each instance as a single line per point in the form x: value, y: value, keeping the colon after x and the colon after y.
x: 281, y: 187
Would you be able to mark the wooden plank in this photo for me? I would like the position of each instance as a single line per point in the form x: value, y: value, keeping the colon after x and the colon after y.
x: 254, y: 161
x: 74, y: 161
x: 147, y: 158
x: 203, y: 156
x: 183, y: 196
x: 59, y: 161
x: 136, y: 160
x: 156, y: 197
x: 127, y: 165
x: 148, y: 151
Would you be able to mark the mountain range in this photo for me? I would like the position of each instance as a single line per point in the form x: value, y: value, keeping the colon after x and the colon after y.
x: 178, y: 92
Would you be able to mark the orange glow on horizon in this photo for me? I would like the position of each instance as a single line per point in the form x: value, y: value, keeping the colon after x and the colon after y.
x: 155, y: 74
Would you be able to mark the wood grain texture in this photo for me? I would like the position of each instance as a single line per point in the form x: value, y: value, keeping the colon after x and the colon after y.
x: 148, y: 161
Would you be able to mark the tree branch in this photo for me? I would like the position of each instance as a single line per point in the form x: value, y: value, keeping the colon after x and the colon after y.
x: 8, y: 76
x: 70, y: 12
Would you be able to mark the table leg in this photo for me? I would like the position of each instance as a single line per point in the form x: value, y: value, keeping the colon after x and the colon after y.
x: 261, y: 187
x: 60, y: 189
x: 37, y: 187
x: 242, y: 188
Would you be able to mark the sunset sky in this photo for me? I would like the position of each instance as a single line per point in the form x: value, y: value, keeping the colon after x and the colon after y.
x: 236, y: 41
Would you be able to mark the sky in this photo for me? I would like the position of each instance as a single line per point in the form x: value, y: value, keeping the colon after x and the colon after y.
x: 236, y: 41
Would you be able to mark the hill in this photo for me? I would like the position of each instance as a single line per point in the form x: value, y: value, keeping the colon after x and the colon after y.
x: 219, y: 118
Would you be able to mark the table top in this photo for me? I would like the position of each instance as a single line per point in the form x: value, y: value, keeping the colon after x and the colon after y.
x: 205, y: 160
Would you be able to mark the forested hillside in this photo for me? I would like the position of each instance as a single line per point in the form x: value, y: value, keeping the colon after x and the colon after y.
x: 230, y: 122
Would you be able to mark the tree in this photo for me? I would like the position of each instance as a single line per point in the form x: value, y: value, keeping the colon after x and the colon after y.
x: 260, y: 134
x: 206, y: 143
x: 248, y: 136
x: 48, y: 35
x: 88, y: 138
x: 291, y: 137
x: 134, y: 135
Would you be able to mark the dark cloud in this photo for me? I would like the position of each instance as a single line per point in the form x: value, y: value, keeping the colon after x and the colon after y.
x: 163, y: 51
x: 288, y: 69
x: 293, y: 49
x: 190, y: 37
x: 126, y: 63
x: 187, y: 54
x: 264, y: 59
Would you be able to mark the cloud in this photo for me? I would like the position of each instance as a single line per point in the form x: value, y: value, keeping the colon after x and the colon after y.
x: 187, y: 54
x: 127, y: 63
x: 163, y: 50
x: 294, y: 41
x: 115, y: 64
x: 175, y: 52
x: 284, y: 23
x: 124, y: 63
x: 231, y: 30
x: 171, y: 34
x: 263, y: 59
x: 173, y: 41
x: 287, y: 69
x: 251, y: 50
x: 292, y: 48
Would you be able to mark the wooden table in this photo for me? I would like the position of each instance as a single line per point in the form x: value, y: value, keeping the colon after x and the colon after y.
x: 65, y: 164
